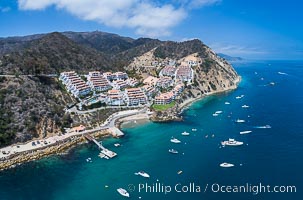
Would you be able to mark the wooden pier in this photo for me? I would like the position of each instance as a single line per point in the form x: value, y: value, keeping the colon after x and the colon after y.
x: 105, y: 153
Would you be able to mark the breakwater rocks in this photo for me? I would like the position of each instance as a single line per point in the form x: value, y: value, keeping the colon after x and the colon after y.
x: 57, y: 148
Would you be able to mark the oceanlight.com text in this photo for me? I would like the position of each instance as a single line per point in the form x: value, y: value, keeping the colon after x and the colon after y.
x: 250, y: 188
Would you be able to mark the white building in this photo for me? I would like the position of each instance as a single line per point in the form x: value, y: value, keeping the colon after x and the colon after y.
x: 164, y: 82
x: 97, y: 81
x: 115, y: 97
x: 185, y: 73
x: 135, y: 96
x: 74, y: 84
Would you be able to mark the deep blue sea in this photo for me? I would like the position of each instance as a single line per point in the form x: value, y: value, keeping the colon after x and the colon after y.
x: 271, y: 157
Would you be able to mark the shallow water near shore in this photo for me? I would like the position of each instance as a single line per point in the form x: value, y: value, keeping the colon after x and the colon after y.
x: 269, y: 156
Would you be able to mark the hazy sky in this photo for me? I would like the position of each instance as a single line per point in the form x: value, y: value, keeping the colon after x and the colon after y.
x: 257, y: 29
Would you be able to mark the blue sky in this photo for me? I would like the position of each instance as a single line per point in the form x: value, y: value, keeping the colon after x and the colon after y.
x: 253, y: 29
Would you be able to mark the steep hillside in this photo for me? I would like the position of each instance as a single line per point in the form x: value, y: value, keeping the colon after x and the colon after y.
x: 32, y: 103
x: 31, y: 107
x: 52, y: 53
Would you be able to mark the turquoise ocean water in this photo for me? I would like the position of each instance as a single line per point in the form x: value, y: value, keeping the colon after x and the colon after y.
x: 269, y: 156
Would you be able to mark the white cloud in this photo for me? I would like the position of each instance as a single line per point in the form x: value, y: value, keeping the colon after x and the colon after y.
x: 148, y: 18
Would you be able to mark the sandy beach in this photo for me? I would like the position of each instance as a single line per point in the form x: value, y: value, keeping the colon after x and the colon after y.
x: 134, y: 120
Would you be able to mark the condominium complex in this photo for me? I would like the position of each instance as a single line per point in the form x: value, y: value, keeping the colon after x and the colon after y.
x: 117, y: 89
x: 135, y: 96
x: 97, y: 81
x: 115, y: 76
x: 164, y: 98
x: 168, y: 71
x: 115, y: 97
x: 168, y: 97
x: 164, y: 82
x: 185, y: 73
x: 119, y: 84
x: 74, y: 84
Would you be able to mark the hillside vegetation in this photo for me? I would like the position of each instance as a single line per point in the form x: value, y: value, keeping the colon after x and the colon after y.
x: 32, y: 103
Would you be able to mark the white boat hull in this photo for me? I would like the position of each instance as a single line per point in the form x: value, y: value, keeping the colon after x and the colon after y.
x: 226, y: 165
x: 123, y: 192
x: 245, y: 132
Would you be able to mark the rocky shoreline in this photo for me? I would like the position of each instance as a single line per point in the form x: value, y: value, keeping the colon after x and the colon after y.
x: 57, y: 148
x: 174, y: 114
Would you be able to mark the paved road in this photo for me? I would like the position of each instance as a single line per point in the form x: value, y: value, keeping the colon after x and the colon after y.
x: 109, y: 123
x: 75, y: 110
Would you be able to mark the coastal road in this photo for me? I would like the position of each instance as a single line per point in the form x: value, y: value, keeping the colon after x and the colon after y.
x: 43, y: 143
x: 75, y: 110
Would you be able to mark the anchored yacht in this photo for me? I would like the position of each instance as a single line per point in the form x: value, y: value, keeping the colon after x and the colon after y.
x: 231, y: 142
x: 245, y: 132
x: 123, y: 192
x: 240, y: 121
x: 173, y: 151
x: 185, y: 133
x: 175, y: 140
x: 266, y: 126
x: 226, y: 164
x: 143, y: 174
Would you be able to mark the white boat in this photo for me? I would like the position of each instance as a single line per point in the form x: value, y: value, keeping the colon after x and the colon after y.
x: 123, y: 192
x: 266, y: 126
x: 227, y: 103
x: 245, y: 106
x: 272, y: 83
x: 226, y: 164
x: 175, y: 140
x: 219, y: 112
x: 231, y: 142
x: 282, y: 73
x: 215, y: 114
x: 193, y: 129
x: 89, y: 160
x: 240, y: 121
x: 173, y: 151
x: 245, y: 132
x: 185, y: 133
x: 101, y: 155
x: 117, y: 145
x: 238, y: 97
x: 143, y: 174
